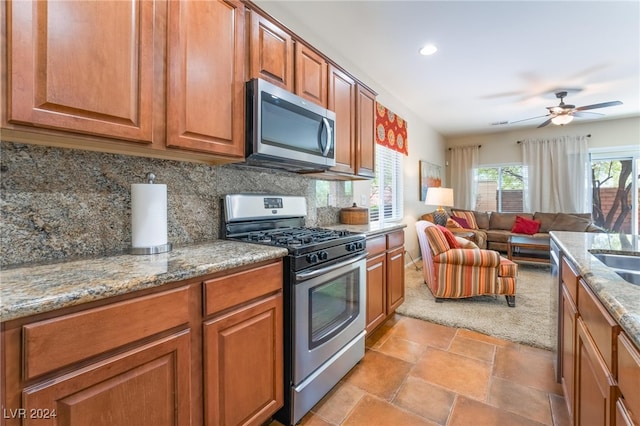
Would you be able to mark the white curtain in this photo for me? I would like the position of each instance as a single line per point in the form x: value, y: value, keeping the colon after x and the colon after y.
x: 558, y: 175
x: 464, y: 162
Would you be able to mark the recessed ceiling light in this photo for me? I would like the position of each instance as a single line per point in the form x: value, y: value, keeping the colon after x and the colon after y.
x: 428, y: 49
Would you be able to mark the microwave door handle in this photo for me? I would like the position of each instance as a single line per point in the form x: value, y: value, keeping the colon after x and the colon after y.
x: 325, y: 152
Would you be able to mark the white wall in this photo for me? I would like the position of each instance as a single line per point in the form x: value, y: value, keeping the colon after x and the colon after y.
x: 501, y: 148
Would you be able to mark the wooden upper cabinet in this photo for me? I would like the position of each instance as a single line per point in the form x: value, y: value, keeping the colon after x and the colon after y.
x: 311, y: 75
x: 270, y: 52
x: 342, y: 101
x: 82, y: 66
x: 365, y: 135
x: 205, y: 76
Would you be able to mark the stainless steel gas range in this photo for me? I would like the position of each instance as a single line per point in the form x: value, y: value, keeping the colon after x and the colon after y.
x: 324, y: 293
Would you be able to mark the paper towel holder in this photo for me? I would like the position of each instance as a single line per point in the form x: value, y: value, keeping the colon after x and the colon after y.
x: 162, y: 248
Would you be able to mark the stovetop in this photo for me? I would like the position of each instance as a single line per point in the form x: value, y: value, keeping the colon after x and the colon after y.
x: 296, y: 237
x: 279, y: 221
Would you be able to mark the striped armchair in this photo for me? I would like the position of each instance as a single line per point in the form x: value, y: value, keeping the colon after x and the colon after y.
x: 452, y: 273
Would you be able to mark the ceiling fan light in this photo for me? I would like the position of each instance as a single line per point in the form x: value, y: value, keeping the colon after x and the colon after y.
x: 561, y: 120
x: 428, y: 49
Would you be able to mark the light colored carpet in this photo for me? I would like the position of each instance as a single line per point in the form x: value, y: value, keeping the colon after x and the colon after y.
x: 532, y: 322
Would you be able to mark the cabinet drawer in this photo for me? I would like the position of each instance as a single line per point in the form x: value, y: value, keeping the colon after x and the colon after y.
x: 51, y: 344
x: 235, y: 289
x: 629, y: 375
x: 376, y: 245
x: 570, y: 279
x: 601, y: 326
x: 395, y: 239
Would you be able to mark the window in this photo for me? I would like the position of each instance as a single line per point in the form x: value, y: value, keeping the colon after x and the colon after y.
x: 386, y: 188
x: 616, y: 194
x: 500, y: 188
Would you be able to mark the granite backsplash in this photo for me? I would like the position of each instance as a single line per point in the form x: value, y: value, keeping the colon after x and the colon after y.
x: 58, y: 203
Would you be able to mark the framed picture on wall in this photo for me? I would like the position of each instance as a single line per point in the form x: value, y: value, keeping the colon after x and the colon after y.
x: 430, y: 176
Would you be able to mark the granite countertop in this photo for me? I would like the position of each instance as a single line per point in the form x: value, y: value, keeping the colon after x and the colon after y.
x: 619, y: 297
x: 370, y: 229
x: 35, y: 288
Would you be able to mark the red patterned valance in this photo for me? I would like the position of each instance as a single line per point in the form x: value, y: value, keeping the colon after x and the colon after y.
x: 391, y: 130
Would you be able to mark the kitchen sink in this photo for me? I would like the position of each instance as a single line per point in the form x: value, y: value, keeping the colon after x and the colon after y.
x: 626, y: 266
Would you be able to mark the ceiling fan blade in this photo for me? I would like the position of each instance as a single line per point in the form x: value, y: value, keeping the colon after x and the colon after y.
x: 601, y: 105
x: 545, y: 123
x: 585, y: 114
x: 527, y: 119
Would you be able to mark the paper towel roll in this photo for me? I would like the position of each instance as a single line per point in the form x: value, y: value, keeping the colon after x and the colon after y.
x: 148, y: 215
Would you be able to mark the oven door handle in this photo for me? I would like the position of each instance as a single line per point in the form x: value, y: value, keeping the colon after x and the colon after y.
x: 303, y: 276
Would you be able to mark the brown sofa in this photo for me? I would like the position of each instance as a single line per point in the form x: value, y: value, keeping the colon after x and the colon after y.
x: 494, y: 228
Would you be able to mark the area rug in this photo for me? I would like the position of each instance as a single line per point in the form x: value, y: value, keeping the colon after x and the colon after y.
x: 532, y: 322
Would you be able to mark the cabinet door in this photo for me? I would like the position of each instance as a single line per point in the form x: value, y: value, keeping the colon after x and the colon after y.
x: 595, y: 388
x: 311, y: 75
x: 395, y: 279
x: 205, y: 76
x: 149, y: 385
x: 376, y: 291
x: 270, y: 52
x: 82, y: 66
x: 365, y: 137
x: 567, y: 347
x: 342, y: 101
x: 243, y: 364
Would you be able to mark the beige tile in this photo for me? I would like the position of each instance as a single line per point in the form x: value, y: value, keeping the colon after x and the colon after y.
x: 473, y: 348
x: 382, y: 333
x: 429, y: 401
x: 335, y: 406
x: 312, y: 419
x: 469, y: 334
x: 424, y: 333
x: 379, y: 374
x: 371, y: 411
x: 404, y: 349
x: 468, y: 412
x: 519, y: 399
x: 527, y: 368
x: 457, y: 373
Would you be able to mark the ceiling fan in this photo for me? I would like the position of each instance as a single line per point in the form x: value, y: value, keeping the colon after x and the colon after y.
x: 562, y: 113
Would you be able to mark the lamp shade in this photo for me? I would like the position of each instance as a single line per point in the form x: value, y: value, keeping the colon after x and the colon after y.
x: 438, y: 196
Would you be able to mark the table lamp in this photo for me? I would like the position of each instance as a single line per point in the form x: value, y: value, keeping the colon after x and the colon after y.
x: 438, y: 196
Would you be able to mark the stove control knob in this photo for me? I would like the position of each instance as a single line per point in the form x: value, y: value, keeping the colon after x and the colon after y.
x: 312, y: 258
x: 323, y: 255
x: 351, y: 247
x: 360, y: 245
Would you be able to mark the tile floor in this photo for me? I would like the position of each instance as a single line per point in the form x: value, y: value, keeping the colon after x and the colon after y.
x: 419, y: 373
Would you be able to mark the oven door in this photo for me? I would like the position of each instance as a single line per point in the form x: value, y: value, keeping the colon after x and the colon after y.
x: 329, y: 312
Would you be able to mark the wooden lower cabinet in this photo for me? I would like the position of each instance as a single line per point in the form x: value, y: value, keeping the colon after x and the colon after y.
x: 395, y: 278
x: 243, y: 362
x: 599, y: 366
x: 148, y: 385
x: 209, y: 346
x: 376, y: 291
x: 595, y: 390
x: 385, y: 277
x: 568, y: 346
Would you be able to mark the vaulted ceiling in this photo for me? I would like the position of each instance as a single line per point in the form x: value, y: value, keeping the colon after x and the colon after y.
x: 497, y: 61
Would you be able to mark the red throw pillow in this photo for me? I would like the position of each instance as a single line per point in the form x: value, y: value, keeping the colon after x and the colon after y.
x: 523, y: 225
x: 461, y: 221
x: 451, y: 239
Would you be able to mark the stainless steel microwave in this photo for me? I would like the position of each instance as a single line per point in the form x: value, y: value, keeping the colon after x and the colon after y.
x: 286, y: 131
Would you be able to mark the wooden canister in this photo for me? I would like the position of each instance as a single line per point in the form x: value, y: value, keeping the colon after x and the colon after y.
x: 354, y: 215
